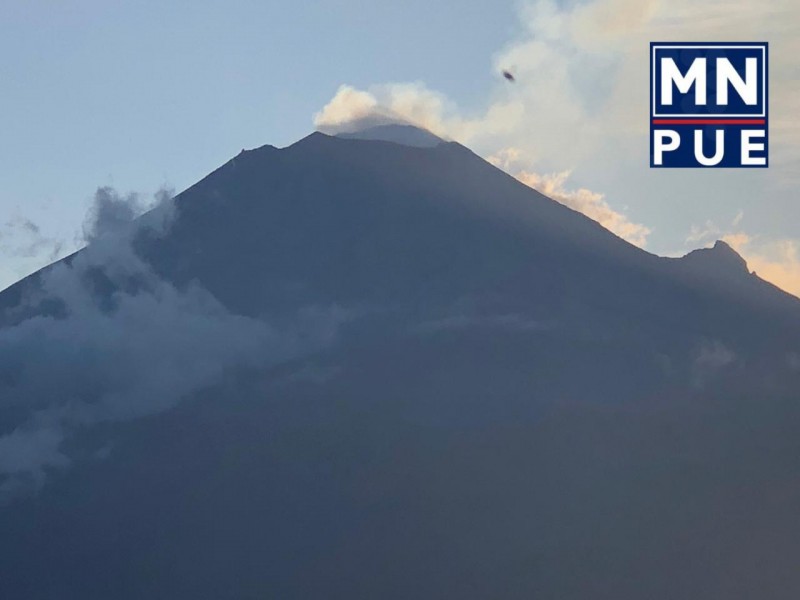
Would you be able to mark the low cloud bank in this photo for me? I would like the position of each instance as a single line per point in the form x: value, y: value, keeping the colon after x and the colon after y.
x: 134, y: 351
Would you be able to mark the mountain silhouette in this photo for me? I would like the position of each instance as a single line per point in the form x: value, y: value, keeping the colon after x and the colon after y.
x: 374, y: 365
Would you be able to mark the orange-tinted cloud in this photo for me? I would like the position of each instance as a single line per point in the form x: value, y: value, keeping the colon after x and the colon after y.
x: 777, y: 261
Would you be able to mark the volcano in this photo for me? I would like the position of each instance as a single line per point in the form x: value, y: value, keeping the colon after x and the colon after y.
x: 375, y: 366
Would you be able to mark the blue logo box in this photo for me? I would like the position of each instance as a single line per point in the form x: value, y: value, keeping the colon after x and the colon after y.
x: 708, y: 105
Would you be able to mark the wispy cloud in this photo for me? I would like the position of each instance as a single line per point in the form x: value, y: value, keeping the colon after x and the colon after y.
x: 22, y: 238
x: 711, y: 357
x: 592, y: 204
x: 777, y: 261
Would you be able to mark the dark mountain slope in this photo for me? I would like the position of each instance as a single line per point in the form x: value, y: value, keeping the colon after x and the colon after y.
x: 515, y: 404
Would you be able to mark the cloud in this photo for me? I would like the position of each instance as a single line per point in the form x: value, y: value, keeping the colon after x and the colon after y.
x: 27, y: 451
x: 352, y: 109
x: 581, y: 94
x: 592, y: 204
x: 21, y: 237
x: 777, y: 261
x: 124, y: 354
x: 347, y: 106
x: 712, y: 356
x: 110, y: 214
x: 23, y: 242
x: 566, y: 70
x: 582, y: 67
x: 703, y: 233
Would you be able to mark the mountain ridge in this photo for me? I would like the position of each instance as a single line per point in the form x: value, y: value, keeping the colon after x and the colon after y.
x: 451, y: 173
x: 346, y: 362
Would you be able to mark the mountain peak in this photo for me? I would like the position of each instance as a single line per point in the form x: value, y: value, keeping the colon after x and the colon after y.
x: 398, y: 133
x: 718, y: 260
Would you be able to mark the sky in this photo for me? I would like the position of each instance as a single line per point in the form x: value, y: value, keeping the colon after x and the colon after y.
x: 149, y: 96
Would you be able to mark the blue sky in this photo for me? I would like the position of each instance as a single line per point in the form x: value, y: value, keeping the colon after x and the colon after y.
x: 144, y: 95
